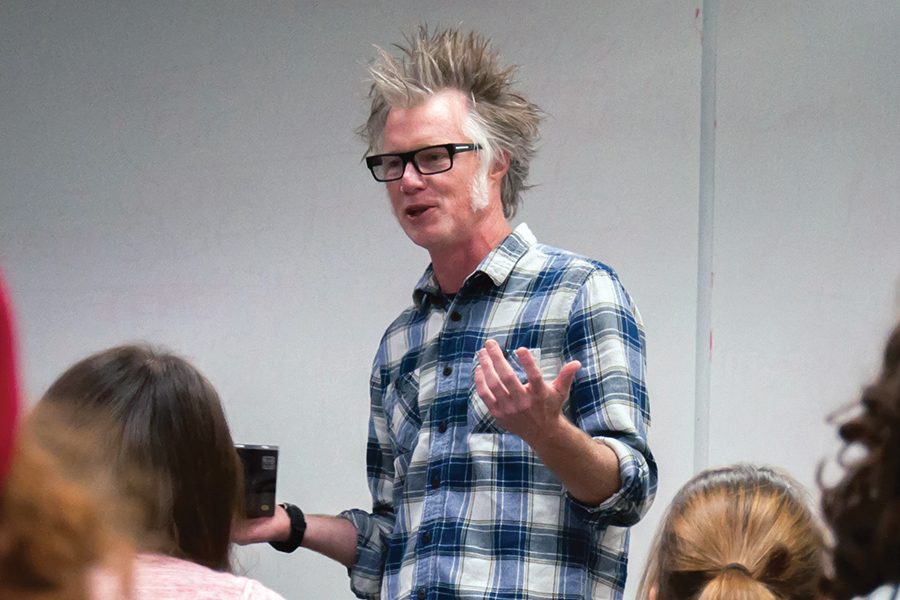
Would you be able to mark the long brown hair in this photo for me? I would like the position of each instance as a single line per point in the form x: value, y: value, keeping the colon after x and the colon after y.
x: 167, y: 443
x: 740, y: 532
x: 863, y: 509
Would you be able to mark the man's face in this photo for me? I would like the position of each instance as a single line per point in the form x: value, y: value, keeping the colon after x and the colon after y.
x: 435, y: 211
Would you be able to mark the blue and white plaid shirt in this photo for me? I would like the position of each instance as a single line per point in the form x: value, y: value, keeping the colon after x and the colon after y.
x: 463, y: 508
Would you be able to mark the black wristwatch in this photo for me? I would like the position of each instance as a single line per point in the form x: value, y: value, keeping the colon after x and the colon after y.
x: 298, y: 528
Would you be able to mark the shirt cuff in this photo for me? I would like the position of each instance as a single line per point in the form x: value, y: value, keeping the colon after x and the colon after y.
x: 618, y: 508
x: 366, y: 574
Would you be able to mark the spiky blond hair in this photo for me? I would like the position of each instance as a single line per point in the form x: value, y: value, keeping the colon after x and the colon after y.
x: 500, y: 119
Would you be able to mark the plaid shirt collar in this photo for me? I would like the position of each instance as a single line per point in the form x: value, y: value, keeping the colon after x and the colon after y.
x: 497, y: 266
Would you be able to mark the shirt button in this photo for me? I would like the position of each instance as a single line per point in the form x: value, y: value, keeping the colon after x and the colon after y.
x: 455, y: 316
x: 426, y: 539
x: 447, y: 371
x: 435, y: 482
x: 421, y: 594
x: 442, y: 427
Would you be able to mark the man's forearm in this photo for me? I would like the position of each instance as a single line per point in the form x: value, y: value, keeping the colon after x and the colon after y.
x: 588, y: 469
x: 334, y: 537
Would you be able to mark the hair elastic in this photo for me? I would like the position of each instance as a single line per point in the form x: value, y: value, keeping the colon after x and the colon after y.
x: 737, y: 567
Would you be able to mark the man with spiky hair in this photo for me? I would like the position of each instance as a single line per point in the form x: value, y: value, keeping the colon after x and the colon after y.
x: 507, y: 451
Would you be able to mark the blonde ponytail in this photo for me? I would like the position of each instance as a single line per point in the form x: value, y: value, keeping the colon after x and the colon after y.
x: 737, y: 533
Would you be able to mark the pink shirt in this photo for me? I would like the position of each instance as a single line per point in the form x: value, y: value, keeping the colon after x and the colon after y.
x: 158, y: 577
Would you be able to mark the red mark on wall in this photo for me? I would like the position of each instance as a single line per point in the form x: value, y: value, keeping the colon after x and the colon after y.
x: 698, y: 24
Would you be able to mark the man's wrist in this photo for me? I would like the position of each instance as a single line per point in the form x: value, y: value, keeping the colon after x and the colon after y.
x: 552, y: 435
x: 297, y: 529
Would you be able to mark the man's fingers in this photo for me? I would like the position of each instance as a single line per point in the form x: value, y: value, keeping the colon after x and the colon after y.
x: 502, y: 367
x: 532, y: 370
x: 484, y: 391
x: 491, y: 379
x: 566, y: 376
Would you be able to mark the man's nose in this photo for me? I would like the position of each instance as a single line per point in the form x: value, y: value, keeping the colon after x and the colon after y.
x: 411, y: 177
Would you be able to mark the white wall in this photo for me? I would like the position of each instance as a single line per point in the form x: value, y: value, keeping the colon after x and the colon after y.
x: 186, y: 173
x: 807, y: 228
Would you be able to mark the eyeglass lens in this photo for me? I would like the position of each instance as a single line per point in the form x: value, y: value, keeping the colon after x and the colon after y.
x: 427, y: 161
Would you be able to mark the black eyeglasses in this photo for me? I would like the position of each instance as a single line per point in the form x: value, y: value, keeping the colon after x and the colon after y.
x: 427, y: 161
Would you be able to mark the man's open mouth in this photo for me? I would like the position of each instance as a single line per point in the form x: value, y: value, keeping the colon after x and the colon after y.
x: 415, y: 211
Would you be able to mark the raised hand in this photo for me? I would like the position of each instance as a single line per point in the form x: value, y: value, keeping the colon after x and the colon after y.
x: 530, y: 410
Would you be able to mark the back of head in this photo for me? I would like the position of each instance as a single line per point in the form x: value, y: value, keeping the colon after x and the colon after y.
x: 166, y: 442
x: 863, y: 509
x: 737, y: 533
x: 52, y: 532
x: 55, y: 531
x: 500, y: 119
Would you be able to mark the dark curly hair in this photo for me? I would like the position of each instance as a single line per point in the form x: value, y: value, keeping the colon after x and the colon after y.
x: 863, y: 509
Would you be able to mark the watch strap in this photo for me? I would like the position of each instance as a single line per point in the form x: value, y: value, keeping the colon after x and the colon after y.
x: 298, y: 528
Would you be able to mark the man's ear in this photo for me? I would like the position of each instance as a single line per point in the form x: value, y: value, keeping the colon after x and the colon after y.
x: 499, y: 167
x: 651, y: 595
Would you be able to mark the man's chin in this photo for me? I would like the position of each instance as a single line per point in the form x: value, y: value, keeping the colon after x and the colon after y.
x: 422, y: 241
x: 429, y: 239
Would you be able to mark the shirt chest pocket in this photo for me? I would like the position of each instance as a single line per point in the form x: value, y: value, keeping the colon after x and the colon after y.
x: 401, y: 408
x: 480, y: 419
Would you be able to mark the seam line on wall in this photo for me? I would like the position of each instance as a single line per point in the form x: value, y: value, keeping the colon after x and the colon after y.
x: 706, y: 204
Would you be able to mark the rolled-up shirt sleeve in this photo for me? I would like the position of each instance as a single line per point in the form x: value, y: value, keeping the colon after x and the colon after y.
x: 374, y: 528
x: 609, y: 396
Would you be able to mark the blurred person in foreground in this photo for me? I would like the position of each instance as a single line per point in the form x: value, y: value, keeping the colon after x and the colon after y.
x: 863, y: 508
x: 54, y: 534
x: 164, y: 441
